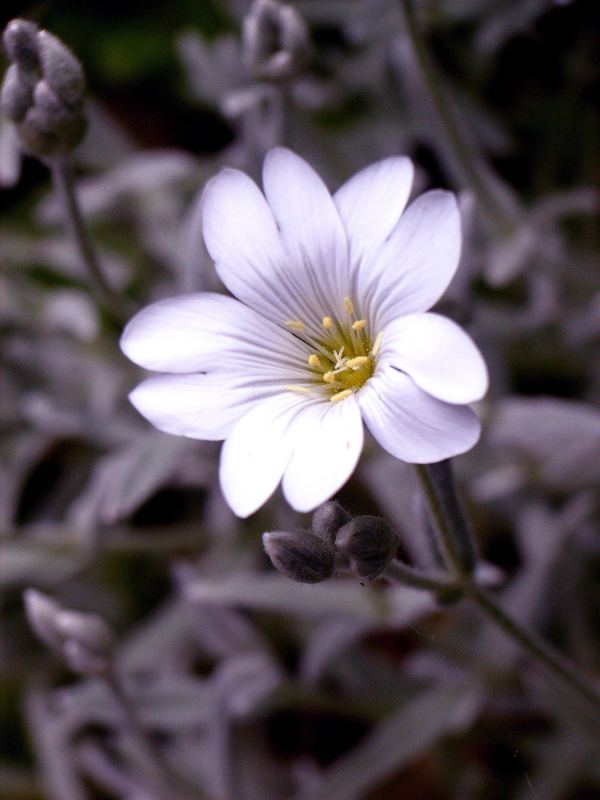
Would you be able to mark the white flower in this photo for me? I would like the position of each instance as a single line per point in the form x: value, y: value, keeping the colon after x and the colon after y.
x: 328, y: 329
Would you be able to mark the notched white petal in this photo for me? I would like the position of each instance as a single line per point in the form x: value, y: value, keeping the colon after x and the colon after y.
x: 438, y: 355
x: 413, y: 268
x: 412, y: 425
x: 329, y: 441
x: 198, y: 406
x: 370, y: 203
x: 256, y: 453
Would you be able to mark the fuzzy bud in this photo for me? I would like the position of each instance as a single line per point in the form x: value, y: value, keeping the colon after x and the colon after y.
x: 21, y: 44
x: 83, y: 641
x: 369, y: 543
x: 16, y: 96
x: 42, y: 91
x: 61, y: 69
x: 275, y: 40
x: 328, y: 519
x: 302, y: 557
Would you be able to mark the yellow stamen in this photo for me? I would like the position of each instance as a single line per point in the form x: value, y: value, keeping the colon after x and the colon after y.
x: 327, y: 323
x: 377, y: 344
x: 329, y: 377
x: 359, y: 361
x: 341, y: 395
x: 314, y: 360
x: 295, y: 324
x: 302, y: 389
x: 348, y: 305
x: 359, y: 325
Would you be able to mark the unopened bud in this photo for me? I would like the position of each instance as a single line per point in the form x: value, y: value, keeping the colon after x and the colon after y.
x: 328, y: 519
x: 302, y: 557
x: 275, y: 40
x: 84, y: 641
x: 20, y: 43
x: 16, y: 95
x: 369, y: 543
x: 61, y: 69
x: 42, y: 91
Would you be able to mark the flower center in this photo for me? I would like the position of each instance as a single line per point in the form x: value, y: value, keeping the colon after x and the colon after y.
x: 341, y: 357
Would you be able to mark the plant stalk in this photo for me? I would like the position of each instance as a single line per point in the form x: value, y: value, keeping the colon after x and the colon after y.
x: 113, y: 303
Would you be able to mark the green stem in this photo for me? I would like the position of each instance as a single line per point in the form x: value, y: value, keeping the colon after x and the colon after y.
x: 462, y: 151
x: 448, y: 517
x: 536, y: 646
x: 112, y: 302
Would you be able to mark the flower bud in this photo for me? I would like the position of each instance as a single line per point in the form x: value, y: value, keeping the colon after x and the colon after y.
x: 61, y: 69
x: 84, y: 641
x: 274, y: 39
x: 16, y: 96
x: 369, y: 543
x: 42, y: 91
x: 21, y: 44
x: 328, y: 519
x: 302, y: 557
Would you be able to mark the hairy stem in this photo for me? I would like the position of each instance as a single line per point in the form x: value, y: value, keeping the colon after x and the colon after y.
x: 462, y: 151
x: 112, y: 302
x: 535, y: 646
x: 448, y: 517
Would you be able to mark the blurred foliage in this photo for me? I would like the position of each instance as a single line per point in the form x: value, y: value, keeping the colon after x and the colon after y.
x: 253, y: 687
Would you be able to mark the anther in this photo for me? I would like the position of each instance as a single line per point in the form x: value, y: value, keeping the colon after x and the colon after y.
x: 327, y: 323
x: 329, y: 377
x: 341, y: 395
x: 302, y: 389
x: 359, y: 361
x: 295, y: 324
x: 314, y: 360
x: 348, y: 305
x: 359, y: 325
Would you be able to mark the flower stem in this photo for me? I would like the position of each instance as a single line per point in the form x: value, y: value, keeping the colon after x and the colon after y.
x: 456, y: 537
x: 463, y: 157
x: 449, y: 519
x: 535, y: 645
x: 62, y: 177
x: 398, y: 572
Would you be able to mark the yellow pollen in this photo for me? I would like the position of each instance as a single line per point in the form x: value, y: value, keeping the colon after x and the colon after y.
x: 341, y: 395
x: 348, y: 305
x: 327, y: 323
x: 329, y: 377
x: 377, y: 344
x: 302, y: 389
x: 359, y: 325
x: 359, y: 361
x: 295, y: 324
x: 314, y: 360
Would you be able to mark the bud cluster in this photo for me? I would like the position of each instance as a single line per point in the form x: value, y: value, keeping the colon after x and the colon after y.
x: 83, y: 641
x: 365, y: 544
x: 275, y: 40
x: 43, y: 89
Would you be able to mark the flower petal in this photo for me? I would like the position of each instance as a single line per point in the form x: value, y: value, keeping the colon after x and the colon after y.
x: 371, y: 202
x: 312, y: 232
x: 438, y: 355
x: 243, y: 240
x: 256, y: 453
x: 412, y: 425
x: 328, y: 443
x: 414, y: 266
x: 196, y: 332
x: 198, y: 406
